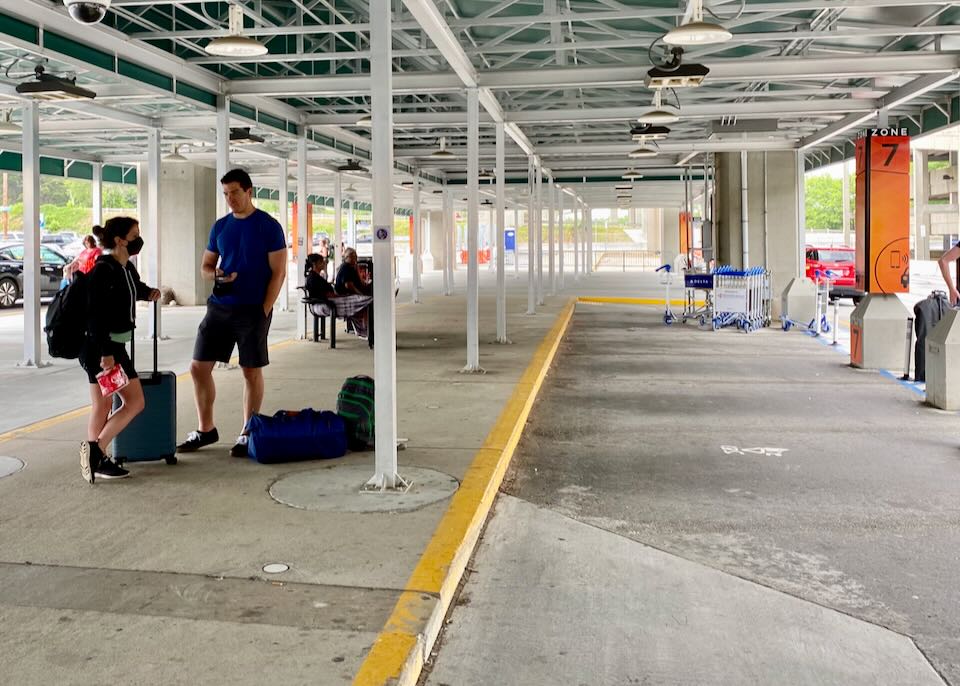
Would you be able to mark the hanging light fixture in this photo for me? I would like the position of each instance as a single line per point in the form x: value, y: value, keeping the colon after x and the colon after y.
x: 660, y: 114
x: 642, y: 152
x: 648, y: 132
x: 350, y: 189
x: 697, y: 31
x: 485, y: 175
x: 235, y: 44
x: 175, y: 156
x: 631, y: 175
x: 442, y: 153
x: 6, y: 125
x: 366, y: 121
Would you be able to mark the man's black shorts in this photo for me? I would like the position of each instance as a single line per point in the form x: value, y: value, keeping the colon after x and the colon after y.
x: 91, y: 353
x: 243, y: 326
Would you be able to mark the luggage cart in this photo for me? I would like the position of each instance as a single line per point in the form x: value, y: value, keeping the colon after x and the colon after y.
x: 694, y: 282
x: 741, y: 298
x: 666, y: 278
x: 819, y: 323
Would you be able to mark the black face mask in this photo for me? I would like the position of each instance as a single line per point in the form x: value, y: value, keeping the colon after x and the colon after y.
x: 135, y: 246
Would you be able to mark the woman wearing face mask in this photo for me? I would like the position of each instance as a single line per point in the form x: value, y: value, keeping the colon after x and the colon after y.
x: 114, y: 287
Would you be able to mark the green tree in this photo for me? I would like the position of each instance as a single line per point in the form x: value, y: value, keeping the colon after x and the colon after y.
x: 824, y: 203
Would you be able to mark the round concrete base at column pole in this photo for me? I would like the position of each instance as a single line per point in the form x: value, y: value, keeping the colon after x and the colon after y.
x: 877, y: 327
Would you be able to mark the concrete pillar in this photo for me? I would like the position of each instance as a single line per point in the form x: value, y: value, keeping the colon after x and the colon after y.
x: 282, y: 170
x: 473, y: 231
x: 417, y: 238
x: 151, y: 229
x: 186, y: 228
x: 670, y: 248
x: 653, y: 226
x: 223, y: 147
x: 337, y: 222
x: 434, y: 241
x: 921, y: 204
x: 773, y: 215
x: 500, y: 226
x: 302, y: 246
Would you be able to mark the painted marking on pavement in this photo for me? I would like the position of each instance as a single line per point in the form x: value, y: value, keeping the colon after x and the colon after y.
x: 766, y: 452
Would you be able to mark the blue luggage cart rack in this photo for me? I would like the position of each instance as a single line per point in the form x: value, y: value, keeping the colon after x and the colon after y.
x: 702, y: 312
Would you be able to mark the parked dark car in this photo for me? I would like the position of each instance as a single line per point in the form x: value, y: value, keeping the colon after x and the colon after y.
x: 52, y: 262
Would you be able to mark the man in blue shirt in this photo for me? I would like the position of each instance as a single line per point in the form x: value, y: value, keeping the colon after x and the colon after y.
x: 246, y: 259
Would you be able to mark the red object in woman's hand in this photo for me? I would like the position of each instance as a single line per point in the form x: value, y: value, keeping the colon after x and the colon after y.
x: 112, y: 380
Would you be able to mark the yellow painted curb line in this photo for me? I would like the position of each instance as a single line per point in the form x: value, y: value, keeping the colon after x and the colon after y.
x: 399, y: 652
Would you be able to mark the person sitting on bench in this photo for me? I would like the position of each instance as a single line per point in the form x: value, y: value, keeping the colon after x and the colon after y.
x: 316, y: 284
x: 354, y: 297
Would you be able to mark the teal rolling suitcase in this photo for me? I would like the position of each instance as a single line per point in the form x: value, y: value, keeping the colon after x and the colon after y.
x: 152, y: 435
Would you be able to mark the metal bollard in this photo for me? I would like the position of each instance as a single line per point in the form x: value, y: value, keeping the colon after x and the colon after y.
x: 836, y: 320
x: 908, y: 347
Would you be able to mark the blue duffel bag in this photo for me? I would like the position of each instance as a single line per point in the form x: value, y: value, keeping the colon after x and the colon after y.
x: 293, y: 436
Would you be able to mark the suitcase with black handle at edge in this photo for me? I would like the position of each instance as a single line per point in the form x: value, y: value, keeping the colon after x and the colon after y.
x: 926, y: 314
x: 152, y: 435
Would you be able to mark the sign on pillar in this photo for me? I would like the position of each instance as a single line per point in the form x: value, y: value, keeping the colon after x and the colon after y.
x: 883, y: 247
x: 883, y: 211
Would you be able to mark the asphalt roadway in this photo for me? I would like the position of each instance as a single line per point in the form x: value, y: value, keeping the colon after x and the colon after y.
x: 691, y: 507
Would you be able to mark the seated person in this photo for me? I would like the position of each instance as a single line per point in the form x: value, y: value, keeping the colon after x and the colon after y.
x: 316, y: 285
x: 355, y: 298
x: 348, y: 280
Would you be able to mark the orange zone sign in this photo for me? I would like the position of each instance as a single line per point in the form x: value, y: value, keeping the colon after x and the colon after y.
x: 883, y: 214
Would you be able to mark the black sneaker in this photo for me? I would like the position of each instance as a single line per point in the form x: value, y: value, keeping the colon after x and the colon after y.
x: 239, y: 448
x: 109, y: 469
x: 198, y: 439
x: 90, y: 458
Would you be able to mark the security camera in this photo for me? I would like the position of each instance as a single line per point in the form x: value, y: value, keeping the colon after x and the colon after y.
x: 87, y: 11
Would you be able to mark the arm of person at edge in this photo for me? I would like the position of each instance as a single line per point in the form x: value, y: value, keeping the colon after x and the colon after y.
x: 144, y: 292
x: 278, y: 265
x: 944, y: 263
x: 210, y: 271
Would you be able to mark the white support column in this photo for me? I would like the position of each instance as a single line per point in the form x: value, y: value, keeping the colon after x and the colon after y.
x: 385, y: 478
x: 31, y: 235
x: 500, y: 227
x: 531, y: 237
x: 223, y: 147
x: 337, y: 223
x: 152, y: 225
x: 282, y: 204
x: 447, y: 241
x: 516, y: 243
x: 473, y: 232
x: 352, y: 223
x: 96, y: 193
x: 588, y: 228
x: 417, y: 236
x: 576, y: 240
x: 538, y: 186
x: 302, y: 246
x: 552, y: 216
x: 560, y: 215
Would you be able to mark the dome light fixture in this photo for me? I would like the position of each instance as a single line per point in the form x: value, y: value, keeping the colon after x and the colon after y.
x: 366, y: 121
x: 235, y: 44
x: 697, y: 31
x: 442, y: 153
x: 6, y: 124
x: 659, y: 114
x: 631, y: 175
x: 648, y: 132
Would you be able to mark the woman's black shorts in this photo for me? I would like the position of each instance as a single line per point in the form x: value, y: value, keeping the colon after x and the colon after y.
x: 90, y: 359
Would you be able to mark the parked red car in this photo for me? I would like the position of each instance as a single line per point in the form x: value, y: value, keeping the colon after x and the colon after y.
x: 840, y: 262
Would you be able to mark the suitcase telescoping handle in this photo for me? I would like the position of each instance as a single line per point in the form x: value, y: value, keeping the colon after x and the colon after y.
x: 133, y: 345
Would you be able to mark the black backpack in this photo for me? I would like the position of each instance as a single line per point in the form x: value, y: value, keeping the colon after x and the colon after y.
x: 67, y: 319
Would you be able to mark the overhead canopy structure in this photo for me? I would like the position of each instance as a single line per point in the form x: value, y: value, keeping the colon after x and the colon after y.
x: 567, y: 79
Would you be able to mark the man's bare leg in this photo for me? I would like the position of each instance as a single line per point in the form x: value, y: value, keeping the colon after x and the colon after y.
x: 204, y: 393
x: 252, y: 393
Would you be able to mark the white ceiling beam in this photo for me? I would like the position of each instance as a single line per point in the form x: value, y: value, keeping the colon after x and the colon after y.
x: 546, y: 151
x: 433, y: 24
x: 550, y: 78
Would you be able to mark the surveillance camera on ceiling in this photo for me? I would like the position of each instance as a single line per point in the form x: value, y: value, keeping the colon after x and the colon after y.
x: 87, y: 11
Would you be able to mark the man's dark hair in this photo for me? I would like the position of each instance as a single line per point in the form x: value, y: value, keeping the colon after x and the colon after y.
x: 238, y: 176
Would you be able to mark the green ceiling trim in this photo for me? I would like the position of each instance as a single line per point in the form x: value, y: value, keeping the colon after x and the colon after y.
x: 955, y: 109
x: 200, y: 95
x: 19, y: 29
x: 932, y: 118
x: 242, y: 110
x: 144, y: 75
x: 72, y: 48
x: 56, y: 166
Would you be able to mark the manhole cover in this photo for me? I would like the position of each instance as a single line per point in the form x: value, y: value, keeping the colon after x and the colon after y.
x: 337, y: 489
x: 9, y: 465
